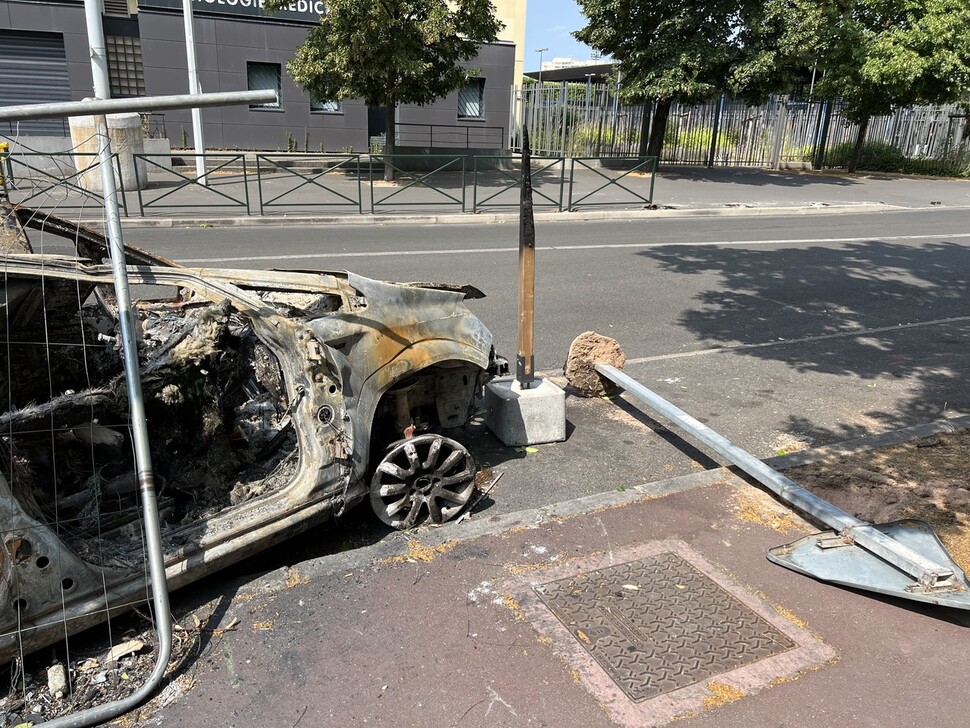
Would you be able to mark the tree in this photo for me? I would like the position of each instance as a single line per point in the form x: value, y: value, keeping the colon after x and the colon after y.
x: 693, y: 50
x: 878, y: 55
x: 391, y: 52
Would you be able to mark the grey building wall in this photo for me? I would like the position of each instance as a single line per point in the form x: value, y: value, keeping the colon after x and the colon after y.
x: 224, y: 45
x: 496, y: 64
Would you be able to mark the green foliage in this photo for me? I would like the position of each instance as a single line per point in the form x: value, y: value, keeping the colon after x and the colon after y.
x: 391, y: 51
x: 882, y: 54
x: 691, y: 51
x: 585, y: 138
x: 699, y: 140
x: 881, y: 157
x: 876, y: 157
x: 290, y: 142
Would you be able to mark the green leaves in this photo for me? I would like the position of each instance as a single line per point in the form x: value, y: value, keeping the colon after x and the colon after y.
x: 391, y: 51
x: 879, y: 55
x: 691, y: 51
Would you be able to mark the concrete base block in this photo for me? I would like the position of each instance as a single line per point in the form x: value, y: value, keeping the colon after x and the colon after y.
x: 525, y: 416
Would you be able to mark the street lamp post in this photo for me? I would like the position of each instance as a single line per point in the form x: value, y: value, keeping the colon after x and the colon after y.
x: 540, y: 51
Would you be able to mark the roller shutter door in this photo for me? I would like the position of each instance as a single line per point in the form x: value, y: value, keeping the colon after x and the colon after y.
x: 33, y: 70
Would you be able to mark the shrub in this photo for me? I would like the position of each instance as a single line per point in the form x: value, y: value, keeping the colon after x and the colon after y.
x: 876, y: 157
x: 882, y: 157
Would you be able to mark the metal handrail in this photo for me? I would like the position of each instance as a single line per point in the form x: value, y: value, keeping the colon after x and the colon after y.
x: 417, y: 181
x: 308, y: 180
x: 202, y: 182
x: 642, y: 162
x: 450, y: 128
x: 516, y: 181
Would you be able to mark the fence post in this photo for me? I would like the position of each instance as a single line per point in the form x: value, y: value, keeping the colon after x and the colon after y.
x: 718, y: 110
x: 779, y: 133
x: 819, y: 161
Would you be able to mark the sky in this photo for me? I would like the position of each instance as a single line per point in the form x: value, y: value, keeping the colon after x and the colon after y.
x: 548, y: 24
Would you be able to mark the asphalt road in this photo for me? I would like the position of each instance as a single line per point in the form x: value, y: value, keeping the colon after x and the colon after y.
x: 815, y: 327
x: 779, y: 332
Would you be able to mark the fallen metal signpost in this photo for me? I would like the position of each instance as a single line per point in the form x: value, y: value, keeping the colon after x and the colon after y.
x: 903, y: 559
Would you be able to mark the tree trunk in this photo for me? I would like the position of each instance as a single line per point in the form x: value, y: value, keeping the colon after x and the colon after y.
x: 659, y: 128
x: 644, y: 129
x: 390, y: 133
x: 859, y: 142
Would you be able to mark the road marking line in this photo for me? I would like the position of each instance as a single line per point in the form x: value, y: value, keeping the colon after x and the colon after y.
x: 802, y: 340
x: 591, y: 246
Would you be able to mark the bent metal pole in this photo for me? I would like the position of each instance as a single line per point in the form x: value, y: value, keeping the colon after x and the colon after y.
x: 525, y: 360
x: 925, y: 571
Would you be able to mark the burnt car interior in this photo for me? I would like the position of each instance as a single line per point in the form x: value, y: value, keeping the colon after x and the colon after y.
x: 274, y: 400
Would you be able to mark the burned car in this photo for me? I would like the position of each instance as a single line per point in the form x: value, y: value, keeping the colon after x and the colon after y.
x: 275, y: 400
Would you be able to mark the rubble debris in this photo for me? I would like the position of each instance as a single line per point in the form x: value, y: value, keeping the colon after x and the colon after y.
x: 128, y: 647
x: 57, y: 680
x: 587, y: 350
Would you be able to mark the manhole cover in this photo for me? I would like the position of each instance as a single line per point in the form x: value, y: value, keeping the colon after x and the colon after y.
x: 658, y: 624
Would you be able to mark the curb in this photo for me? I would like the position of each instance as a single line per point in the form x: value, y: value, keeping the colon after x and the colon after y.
x: 486, y: 525
x: 497, y: 218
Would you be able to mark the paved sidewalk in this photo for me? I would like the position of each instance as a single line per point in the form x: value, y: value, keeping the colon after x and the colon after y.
x: 481, y: 624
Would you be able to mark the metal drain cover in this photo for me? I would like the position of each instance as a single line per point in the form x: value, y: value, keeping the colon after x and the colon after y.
x: 658, y: 624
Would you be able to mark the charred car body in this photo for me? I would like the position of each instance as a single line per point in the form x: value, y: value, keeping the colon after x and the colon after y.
x: 275, y: 400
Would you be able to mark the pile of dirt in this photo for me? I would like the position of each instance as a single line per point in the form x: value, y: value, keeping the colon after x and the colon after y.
x: 587, y: 350
x: 925, y: 479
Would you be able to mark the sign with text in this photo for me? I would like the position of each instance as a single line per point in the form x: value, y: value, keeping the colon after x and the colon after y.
x: 303, y: 11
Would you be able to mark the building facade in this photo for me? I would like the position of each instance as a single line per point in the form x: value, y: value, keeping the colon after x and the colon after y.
x: 44, y: 57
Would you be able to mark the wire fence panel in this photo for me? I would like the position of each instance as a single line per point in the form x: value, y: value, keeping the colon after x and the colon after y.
x: 308, y: 181
x: 71, y: 521
x: 58, y: 181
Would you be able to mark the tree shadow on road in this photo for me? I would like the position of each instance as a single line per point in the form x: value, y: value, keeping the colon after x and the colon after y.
x: 869, y: 310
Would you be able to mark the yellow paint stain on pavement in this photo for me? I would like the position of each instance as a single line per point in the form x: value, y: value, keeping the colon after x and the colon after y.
x: 417, y: 551
x: 721, y: 694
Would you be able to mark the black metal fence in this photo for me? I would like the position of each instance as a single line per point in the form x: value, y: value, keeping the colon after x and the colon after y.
x: 187, y: 185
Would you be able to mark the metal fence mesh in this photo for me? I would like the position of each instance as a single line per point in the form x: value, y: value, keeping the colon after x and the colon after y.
x: 73, y: 546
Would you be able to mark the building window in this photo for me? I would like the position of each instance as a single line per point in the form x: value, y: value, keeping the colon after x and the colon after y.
x: 261, y: 76
x: 329, y: 107
x: 125, y: 71
x: 471, y: 100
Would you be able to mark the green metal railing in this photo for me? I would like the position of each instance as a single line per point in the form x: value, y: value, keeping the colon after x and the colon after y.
x: 418, y: 179
x: 36, y: 184
x: 314, y: 181
x: 509, y: 175
x: 208, y: 184
x: 309, y: 181
x: 612, y: 183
